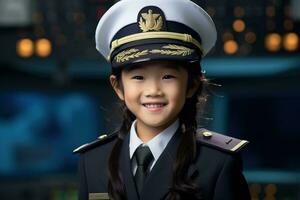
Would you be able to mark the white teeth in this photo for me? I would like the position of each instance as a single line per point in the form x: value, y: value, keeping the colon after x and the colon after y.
x: 154, y: 105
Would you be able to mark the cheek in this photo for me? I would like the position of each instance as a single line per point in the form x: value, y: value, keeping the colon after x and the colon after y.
x: 131, y: 94
x: 176, y: 93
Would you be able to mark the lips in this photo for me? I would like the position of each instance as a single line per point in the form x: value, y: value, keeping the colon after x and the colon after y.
x: 154, y: 106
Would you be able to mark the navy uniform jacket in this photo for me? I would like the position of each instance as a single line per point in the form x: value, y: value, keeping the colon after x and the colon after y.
x: 217, y: 170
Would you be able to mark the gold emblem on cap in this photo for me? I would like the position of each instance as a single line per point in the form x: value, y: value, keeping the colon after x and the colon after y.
x: 207, y: 134
x: 150, y: 21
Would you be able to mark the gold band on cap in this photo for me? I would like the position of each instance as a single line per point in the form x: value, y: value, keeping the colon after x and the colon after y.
x: 154, y: 35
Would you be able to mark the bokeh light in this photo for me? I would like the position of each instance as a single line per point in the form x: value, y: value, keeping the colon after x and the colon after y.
x: 239, y: 11
x: 250, y: 37
x: 227, y: 36
x: 43, y: 47
x: 25, y: 48
x: 273, y: 42
x: 230, y: 47
x: 291, y: 42
x: 239, y: 25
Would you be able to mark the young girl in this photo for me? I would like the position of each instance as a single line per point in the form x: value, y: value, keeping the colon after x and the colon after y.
x: 155, y: 48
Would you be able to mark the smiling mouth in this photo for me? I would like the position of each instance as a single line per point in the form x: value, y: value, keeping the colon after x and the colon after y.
x: 154, y: 105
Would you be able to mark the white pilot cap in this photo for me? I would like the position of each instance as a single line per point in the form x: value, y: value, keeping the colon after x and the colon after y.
x: 140, y: 30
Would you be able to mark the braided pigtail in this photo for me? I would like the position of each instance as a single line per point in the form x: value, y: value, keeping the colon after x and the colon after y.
x: 116, y: 187
x: 183, y: 186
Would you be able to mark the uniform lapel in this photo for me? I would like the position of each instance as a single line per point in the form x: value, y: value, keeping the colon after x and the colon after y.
x: 126, y: 172
x: 160, y: 178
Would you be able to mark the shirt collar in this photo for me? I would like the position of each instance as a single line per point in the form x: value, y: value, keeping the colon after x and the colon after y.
x: 156, y: 144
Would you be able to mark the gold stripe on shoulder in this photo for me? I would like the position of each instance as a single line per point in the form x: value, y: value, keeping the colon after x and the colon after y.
x: 82, y: 146
x: 100, y: 140
x: 102, y: 136
x: 220, y: 141
x: 239, y: 145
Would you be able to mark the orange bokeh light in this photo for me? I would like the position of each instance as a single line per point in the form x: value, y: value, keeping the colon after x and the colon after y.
x: 273, y: 42
x: 291, y: 41
x: 24, y: 48
x: 239, y: 25
x: 230, y: 47
x: 43, y: 47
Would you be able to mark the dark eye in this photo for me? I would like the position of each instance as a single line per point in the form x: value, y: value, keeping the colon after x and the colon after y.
x: 138, y: 77
x: 168, y: 77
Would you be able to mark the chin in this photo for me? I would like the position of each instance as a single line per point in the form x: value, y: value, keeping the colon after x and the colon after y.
x: 155, y: 123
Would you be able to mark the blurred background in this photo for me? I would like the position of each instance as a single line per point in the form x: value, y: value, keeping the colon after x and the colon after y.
x: 55, y: 94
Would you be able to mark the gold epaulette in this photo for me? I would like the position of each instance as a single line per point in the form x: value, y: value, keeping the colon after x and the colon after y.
x: 219, y: 141
x: 102, y: 139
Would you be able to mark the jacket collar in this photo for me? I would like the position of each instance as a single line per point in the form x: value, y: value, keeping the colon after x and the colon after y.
x: 159, y: 180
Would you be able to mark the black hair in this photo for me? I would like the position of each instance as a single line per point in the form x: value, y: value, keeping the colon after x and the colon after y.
x: 182, y: 186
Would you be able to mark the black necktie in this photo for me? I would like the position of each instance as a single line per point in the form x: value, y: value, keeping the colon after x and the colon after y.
x: 143, y: 157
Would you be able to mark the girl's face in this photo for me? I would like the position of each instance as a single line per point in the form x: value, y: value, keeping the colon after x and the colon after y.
x: 154, y: 92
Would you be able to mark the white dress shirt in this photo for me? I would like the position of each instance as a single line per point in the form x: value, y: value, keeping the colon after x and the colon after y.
x: 156, y: 144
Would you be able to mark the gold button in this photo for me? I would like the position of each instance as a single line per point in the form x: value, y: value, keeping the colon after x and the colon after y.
x: 207, y: 134
x: 102, y: 136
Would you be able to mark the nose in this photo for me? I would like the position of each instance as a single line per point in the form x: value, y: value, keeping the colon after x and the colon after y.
x: 153, y: 89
